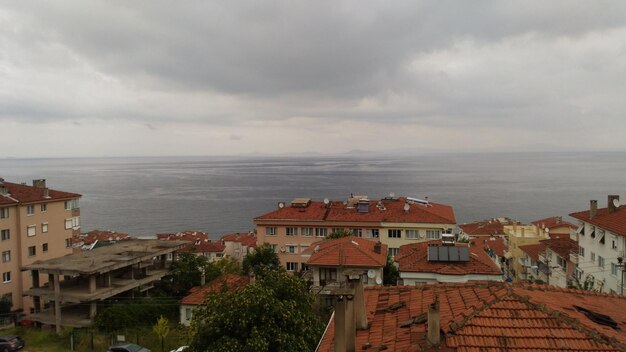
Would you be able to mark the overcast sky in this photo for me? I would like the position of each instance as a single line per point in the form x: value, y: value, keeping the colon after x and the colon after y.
x: 126, y: 78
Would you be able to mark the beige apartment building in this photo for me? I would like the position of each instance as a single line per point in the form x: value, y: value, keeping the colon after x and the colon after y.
x: 36, y: 223
x: 394, y: 221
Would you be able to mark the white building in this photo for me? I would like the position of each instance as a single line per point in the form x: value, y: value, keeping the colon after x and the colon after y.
x: 601, y: 238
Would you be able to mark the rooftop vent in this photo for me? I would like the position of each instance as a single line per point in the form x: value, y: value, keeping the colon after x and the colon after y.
x: 412, y: 200
x: 39, y: 183
x: 300, y: 202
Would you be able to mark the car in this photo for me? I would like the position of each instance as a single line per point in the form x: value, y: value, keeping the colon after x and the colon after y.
x: 11, y: 343
x: 127, y: 347
x: 180, y: 349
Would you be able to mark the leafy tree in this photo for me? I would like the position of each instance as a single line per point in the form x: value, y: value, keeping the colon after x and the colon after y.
x: 263, y: 257
x: 135, y: 314
x: 162, y: 329
x: 390, y: 272
x: 273, y: 314
x: 339, y: 234
x: 186, y: 272
x: 227, y: 266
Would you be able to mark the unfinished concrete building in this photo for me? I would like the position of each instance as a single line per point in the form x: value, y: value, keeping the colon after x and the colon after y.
x: 77, y: 282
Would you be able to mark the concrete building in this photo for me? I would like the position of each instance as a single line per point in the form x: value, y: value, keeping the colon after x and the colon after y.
x: 549, y: 261
x: 436, y: 262
x: 238, y: 245
x: 394, y: 221
x: 601, y: 237
x: 36, y: 223
x: 77, y: 282
x: 516, y: 236
x: 553, y: 227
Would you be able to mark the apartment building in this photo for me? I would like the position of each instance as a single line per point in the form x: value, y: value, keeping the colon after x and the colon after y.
x: 36, y: 223
x: 393, y: 221
x: 601, y: 237
x: 549, y: 261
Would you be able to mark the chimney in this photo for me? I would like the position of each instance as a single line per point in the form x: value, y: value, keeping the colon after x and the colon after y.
x: 434, y: 322
x: 46, y: 193
x: 377, y: 247
x: 3, y: 189
x: 593, y: 208
x: 613, y: 202
x: 40, y: 183
x: 340, y: 324
x: 360, y: 313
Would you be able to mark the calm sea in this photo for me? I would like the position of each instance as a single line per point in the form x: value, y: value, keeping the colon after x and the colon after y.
x: 144, y: 196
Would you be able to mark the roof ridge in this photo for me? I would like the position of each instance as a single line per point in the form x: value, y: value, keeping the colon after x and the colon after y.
x: 551, y: 288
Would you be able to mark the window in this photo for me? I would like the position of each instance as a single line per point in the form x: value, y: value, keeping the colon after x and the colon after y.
x: 292, y: 249
x: 593, y: 257
x: 32, y: 251
x: 581, y: 251
x: 320, y: 231
x: 372, y: 233
x: 394, y: 233
x: 4, y: 213
x: 31, y: 230
x: 292, y: 266
x: 71, y: 204
x: 292, y: 231
x: 6, y: 256
x: 614, y: 244
x: 6, y: 277
x: 68, y: 242
x: 593, y: 232
x: 44, y: 227
x: 392, y: 251
x: 412, y: 234
x: 327, y: 275
x: 356, y: 232
x: 601, y: 262
x: 72, y: 223
x: 44, y: 207
x: 6, y: 235
x: 305, y: 267
x: 613, y: 269
x: 270, y: 231
x: 307, y: 231
x: 337, y: 230
x: 433, y: 234
x: 274, y: 248
x: 44, y: 247
x: 188, y: 313
x: 30, y: 209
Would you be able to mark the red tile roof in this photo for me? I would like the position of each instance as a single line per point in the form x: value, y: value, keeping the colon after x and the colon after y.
x: 553, y: 222
x: 246, y: 239
x: 491, y: 227
x: 385, y: 210
x: 614, y: 222
x: 562, y: 246
x: 489, y: 316
x: 98, y: 235
x: 496, y: 244
x: 414, y: 258
x: 29, y: 194
x: 198, y: 294
x: 199, y: 241
x: 533, y: 250
x: 346, y: 251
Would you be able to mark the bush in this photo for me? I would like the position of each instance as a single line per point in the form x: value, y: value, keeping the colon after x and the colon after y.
x: 136, y: 314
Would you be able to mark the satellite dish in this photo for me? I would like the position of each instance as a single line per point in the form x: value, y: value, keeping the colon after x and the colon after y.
x: 326, y: 201
x: 547, y: 230
x: 371, y: 273
x: 407, y: 207
x: 379, y: 281
x: 281, y: 205
x: 391, y: 195
x: 616, y: 202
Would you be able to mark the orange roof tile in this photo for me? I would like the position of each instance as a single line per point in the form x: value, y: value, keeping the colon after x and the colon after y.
x: 414, y: 258
x: 29, y: 194
x: 533, y: 250
x: 562, y: 246
x: 490, y: 316
x: 199, y: 241
x: 198, y: 294
x: 246, y: 239
x: 496, y: 244
x: 552, y: 222
x: 347, y: 251
x: 99, y: 235
x: 490, y: 227
x: 385, y: 210
x: 614, y: 222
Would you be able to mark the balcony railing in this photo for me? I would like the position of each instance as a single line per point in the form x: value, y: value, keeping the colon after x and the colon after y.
x: 573, y: 257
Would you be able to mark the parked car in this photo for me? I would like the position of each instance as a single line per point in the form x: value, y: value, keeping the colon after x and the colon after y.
x: 11, y: 343
x: 127, y: 347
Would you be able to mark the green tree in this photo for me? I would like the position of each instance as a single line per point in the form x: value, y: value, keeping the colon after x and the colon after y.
x: 339, y: 234
x: 263, y: 257
x: 390, y: 272
x: 137, y: 313
x: 186, y: 272
x: 273, y: 314
x: 162, y: 329
x: 228, y: 266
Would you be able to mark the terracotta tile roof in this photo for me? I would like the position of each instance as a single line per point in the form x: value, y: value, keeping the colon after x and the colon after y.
x: 198, y: 294
x: 199, y: 241
x: 414, y: 258
x: 490, y: 227
x: 187, y: 235
x: 533, y: 250
x: 553, y: 222
x: 29, y: 194
x: 496, y: 244
x: 489, y: 316
x: 246, y: 239
x: 385, y: 210
x: 614, y: 222
x: 98, y: 235
x: 346, y: 251
x: 562, y: 246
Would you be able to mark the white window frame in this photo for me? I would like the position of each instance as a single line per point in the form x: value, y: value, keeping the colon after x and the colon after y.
x: 5, y: 233
x: 31, y: 230
x: 321, y: 232
x: 357, y: 232
x: 372, y: 233
x: 43, y: 207
x: 291, y: 266
x: 6, y: 256
x: 581, y: 251
x: 4, y: 213
x: 44, y: 227
x: 68, y: 242
x: 412, y: 234
x: 30, y: 209
x: 34, y: 251
x: 307, y: 231
x: 601, y: 262
x: 613, y: 269
x: 6, y: 277
x: 593, y: 257
x: 393, y: 251
x: 292, y: 249
x: 433, y: 234
x: 271, y: 231
x: 291, y: 231
x: 397, y: 233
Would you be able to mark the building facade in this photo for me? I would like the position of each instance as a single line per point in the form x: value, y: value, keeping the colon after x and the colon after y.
x: 36, y: 223
x: 601, y: 236
x: 292, y: 228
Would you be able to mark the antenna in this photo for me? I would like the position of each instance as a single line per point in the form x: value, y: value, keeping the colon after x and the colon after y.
x: 391, y: 195
x: 326, y: 201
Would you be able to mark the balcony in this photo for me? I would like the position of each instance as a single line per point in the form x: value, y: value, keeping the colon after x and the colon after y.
x: 573, y: 257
